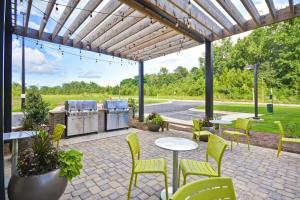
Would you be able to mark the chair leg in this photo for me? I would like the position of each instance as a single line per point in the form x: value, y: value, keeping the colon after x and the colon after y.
x: 135, y: 179
x: 130, y: 185
x: 231, y: 143
x: 184, y: 179
x: 179, y: 176
x: 166, y: 186
x: 248, y: 142
x: 279, y: 148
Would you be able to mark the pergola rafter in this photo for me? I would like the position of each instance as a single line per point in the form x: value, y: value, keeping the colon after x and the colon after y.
x: 83, y: 15
x: 64, y: 17
x: 45, y: 19
x: 140, y: 29
x: 272, y: 8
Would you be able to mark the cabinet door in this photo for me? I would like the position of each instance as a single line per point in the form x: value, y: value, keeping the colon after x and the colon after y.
x: 90, y: 123
x: 112, y: 121
x: 75, y: 125
x: 123, y: 120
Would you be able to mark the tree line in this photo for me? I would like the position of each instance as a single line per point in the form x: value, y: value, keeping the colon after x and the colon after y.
x: 276, y: 49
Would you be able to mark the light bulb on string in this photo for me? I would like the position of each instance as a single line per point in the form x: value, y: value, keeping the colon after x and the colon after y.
x: 80, y: 57
x: 96, y: 61
x: 151, y: 20
x: 91, y: 15
x: 177, y: 24
x: 37, y: 42
x: 41, y: 46
x: 62, y: 53
x: 21, y: 2
x: 190, y: 4
x: 70, y: 34
x: 45, y: 18
x: 59, y: 47
x: 56, y: 9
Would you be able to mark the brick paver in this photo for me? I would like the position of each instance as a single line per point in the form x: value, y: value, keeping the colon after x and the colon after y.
x: 257, y: 174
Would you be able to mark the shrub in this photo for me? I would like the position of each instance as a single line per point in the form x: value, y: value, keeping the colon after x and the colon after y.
x: 35, y: 111
x: 155, y: 118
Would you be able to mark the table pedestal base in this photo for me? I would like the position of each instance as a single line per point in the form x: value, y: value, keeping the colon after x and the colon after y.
x: 163, y: 193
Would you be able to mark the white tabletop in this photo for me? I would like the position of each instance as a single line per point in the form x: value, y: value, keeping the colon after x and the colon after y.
x: 18, y: 135
x: 176, y: 144
x: 215, y: 121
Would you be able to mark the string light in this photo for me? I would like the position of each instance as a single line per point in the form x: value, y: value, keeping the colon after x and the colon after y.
x: 190, y: 3
x: 151, y: 20
x: 91, y: 15
x: 70, y: 34
x: 37, y: 42
x: 177, y: 24
x: 62, y: 53
x: 41, y: 46
x: 21, y: 2
x: 59, y: 47
x: 80, y: 57
x: 56, y: 9
x: 44, y: 18
x: 96, y: 60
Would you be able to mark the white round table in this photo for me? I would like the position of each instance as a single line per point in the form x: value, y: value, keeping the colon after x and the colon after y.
x: 175, y: 144
x: 220, y: 122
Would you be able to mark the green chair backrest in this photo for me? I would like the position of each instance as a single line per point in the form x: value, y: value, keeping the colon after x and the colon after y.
x: 281, y: 130
x: 134, y: 145
x: 197, y: 125
x: 243, y: 124
x: 207, y: 189
x: 215, y: 148
x: 57, y: 133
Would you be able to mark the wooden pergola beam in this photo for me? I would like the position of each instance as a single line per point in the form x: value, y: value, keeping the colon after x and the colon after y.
x: 122, y: 26
x: 145, y: 38
x: 64, y: 17
x: 133, y: 38
x: 230, y: 8
x: 271, y: 7
x: 150, y: 42
x: 161, y: 47
x: 154, y: 9
x: 292, y: 8
x: 169, y: 51
x: 45, y: 19
x: 110, y: 7
x: 131, y: 30
x: 211, y: 9
x: 29, y: 4
x: 250, y: 7
x: 82, y: 16
x: 198, y: 15
x: 34, y: 34
x: 110, y: 22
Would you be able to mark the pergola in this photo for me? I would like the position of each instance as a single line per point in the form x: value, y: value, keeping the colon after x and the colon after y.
x: 137, y: 30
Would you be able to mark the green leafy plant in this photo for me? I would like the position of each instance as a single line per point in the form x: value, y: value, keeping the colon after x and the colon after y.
x: 155, y: 118
x: 205, y: 122
x: 70, y: 163
x: 35, y: 111
x: 42, y: 157
x: 132, y: 104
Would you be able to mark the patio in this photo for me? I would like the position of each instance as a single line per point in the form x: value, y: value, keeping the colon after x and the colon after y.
x: 257, y: 174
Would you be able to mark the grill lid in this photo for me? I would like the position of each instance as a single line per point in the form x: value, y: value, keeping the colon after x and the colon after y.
x: 116, y: 105
x: 80, y: 105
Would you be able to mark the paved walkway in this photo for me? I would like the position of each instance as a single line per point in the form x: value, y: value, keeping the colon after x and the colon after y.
x: 257, y: 174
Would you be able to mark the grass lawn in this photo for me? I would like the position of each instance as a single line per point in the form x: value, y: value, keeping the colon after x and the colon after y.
x: 287, y: 115
x: 55, y: 100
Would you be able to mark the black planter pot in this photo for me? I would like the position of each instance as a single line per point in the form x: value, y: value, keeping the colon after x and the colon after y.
x: 49, y: 186
x: 153, y: 127
x: 204, y: 138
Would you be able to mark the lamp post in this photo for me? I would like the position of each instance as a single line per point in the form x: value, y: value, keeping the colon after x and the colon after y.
x: 23, y: 69
x: 255, y: 68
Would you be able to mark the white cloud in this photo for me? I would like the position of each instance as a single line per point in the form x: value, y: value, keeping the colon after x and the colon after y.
x: 90, y: 74
x: 35, y: 60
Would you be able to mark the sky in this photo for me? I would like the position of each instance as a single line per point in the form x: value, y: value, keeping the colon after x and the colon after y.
x: 49, y: 64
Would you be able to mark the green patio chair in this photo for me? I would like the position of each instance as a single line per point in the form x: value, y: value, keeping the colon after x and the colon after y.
x: 207, y: 189
x: 240, y: 125
x: 144, y: 166
x: 215, y: 149
x: 197, y: 130
x: 57, y: 133
x: 284, y: 139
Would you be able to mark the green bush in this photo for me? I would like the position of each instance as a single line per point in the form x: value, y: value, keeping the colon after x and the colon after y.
x: 155, y: 118
x: 35, y: 111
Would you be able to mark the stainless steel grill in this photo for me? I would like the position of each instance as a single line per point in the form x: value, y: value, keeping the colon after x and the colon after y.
x: 82, y: 117
x: 117, y: 114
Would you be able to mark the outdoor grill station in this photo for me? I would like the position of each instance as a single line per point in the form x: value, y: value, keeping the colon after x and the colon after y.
x: 85, y: 116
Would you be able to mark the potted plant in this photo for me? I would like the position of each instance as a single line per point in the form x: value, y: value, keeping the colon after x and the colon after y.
x: 154, y: 122
x: 43, y: 170
x: 133, y: 107
x: 206, y: 126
